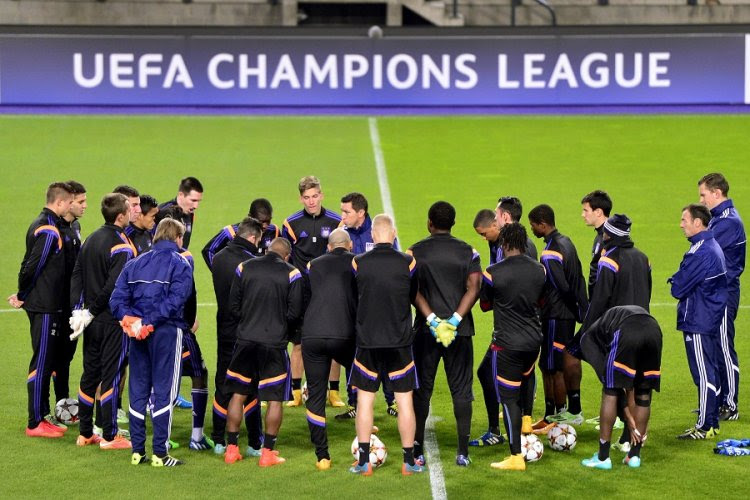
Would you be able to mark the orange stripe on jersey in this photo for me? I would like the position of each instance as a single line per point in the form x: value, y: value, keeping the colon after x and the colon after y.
x: 552, y: 253
x: 558, y: 345
x: 409, y: 252
x: 218, y: 408
x: 290, y: 230
x: 652, y: 373
x: 271, y: 380
x: 50, y: 229
x: 230, y: 230
x: 31, y: 375
x: 401, y: 371
x: 508, y: 382
x: 187, y: 254
x: 530, y: 370
x: 624, y: 367
x: 412, y: 265
x: 126, y: 240
x: 85, y: 396
x: 607, y: 260
x: 294, y: 274
x: 364, y: 368
x: 487, y: 276
x: 106, y: 394
x: 252, y: 404
x: 315, y: 417
x: 185, y: 354
x: 354, y: 264
x: 236, y: 375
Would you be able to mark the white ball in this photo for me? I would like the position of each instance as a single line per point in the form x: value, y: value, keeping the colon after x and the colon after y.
x: 532, y: 448
x: 378, y: 451
x: 562, y: 437
x: 66, y: 411
x: 305, y: 393
x: 375, y: 32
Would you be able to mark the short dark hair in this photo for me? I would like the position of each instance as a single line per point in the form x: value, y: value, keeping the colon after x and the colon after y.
x: 58, y: 190
x: 190, y: 184
x: 114, y: 204
x: 513, y: 236
x: 260, y: 208
x: 76, y: 188
x: 715, y: 181
x: 542, y: 214
x: 148, y: 203
x: 128, y: 191
x: 512, y: 205
x: 442, y: 215
x: 250, y: 226
x: 358, y: 201
x: 599, y: 199
x: 698, y: 211
x: 484, y: 218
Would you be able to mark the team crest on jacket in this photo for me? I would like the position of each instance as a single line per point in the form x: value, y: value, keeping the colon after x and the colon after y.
x: 369, y: 246
x: 325, y: 231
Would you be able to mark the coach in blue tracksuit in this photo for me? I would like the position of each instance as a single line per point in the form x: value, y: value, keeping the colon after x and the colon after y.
x: 149, y: 299
x: 730, y: 235
x: 701, y: 287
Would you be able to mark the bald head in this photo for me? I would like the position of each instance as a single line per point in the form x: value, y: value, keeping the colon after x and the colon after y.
x: 339, y: 238
x: 383, y: 230
x: 282, y: 247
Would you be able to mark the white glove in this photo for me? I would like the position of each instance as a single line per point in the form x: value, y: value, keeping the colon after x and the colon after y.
x: 80, y: 319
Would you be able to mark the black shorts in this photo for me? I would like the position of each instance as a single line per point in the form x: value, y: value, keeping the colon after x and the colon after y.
x: 192, y: 358
x: 258, y: 369
x: 513, y: 367
x: 394, y: 367
x: 557, y: 334
x: 633, y: 360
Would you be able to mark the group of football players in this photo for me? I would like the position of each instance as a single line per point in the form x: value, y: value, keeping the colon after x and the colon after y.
x: 338, y: 288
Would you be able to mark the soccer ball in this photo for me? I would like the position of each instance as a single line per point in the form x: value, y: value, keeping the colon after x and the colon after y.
x: 66, y: 411
x: 532, y: 448
x: 305, y: 393
x: 562, y: 437
x: 378, y: 451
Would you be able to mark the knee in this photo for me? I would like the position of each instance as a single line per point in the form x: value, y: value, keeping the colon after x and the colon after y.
x: 643, y: 398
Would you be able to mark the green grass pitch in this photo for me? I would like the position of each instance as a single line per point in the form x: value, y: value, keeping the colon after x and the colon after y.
x: 649, y: 164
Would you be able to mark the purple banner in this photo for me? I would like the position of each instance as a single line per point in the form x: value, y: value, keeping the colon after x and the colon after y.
x: 341, y: 71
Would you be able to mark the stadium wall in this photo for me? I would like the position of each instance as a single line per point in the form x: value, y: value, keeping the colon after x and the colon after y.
x: 344, y: 70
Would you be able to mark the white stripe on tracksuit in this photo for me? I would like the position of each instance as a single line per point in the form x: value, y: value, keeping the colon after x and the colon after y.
x: 175, y: 382
x: 729, y: 367
x: 702, y: 377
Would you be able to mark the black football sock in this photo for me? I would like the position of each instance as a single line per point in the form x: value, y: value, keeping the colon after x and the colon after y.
x: 549, y: 407
x: 559, y: 407
x: 269, y: 441
x: 296, y: 384
x: 364, y: 453
x: 635, y: 451
x: 418, y: 449
x: 333, y: 385
x: 574, y: 402
x: 408, y: 455
x: 233, y: 438
x: 603, y: 450
x: 512, y: 417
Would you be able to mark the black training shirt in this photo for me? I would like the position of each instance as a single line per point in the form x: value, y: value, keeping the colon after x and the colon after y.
x: 266, y: 295
x: 308, y: 234
x: 386, y: 288
x: 172, y: 209
x: 565, y: 292
x: 225, y: 263
x: 512, y: 289
x: 444, y: 266
x: 141, y: 238
x: 331, y: 297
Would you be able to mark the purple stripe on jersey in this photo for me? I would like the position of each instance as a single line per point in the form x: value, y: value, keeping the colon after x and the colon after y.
x: 123, y: 250
x: 43, y: 259
x: 295, y: 216
x: 295, y: 277
x: 315, y: 422
x: 610, y: 372
x: 607, y: 265
x: 494, y: 373
x: 621, y: 370
x: 474, y: 255
x: 195, y: 360
x: 333, y: 215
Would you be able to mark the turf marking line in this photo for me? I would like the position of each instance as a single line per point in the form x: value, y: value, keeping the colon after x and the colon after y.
x: 435, y: 467
x: 377, y: 151
x: 747, y: 69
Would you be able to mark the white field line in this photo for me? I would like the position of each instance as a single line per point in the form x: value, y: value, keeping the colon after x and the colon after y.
x: 435, y: 467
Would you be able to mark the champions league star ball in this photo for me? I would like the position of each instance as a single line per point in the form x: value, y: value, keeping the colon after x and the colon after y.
x: 562, y: 437
x: 378, y: 451
x: 532, y: 448
x: 66, y: 411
